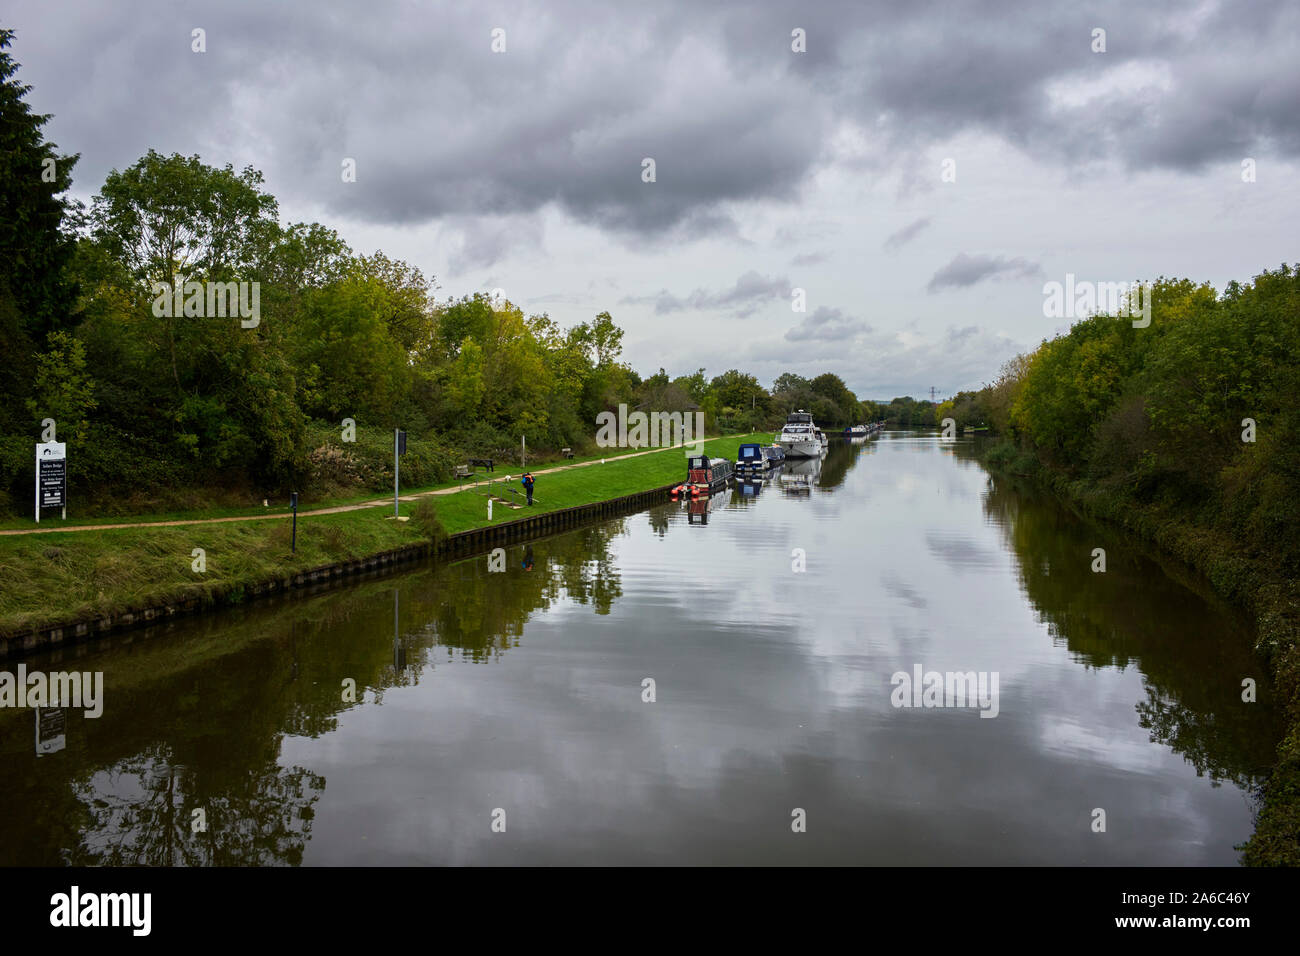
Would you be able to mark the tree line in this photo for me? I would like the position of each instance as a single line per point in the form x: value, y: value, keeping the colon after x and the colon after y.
x: 1195, y: 413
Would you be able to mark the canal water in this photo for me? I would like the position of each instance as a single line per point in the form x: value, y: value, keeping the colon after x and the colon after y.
x: 696, y: 684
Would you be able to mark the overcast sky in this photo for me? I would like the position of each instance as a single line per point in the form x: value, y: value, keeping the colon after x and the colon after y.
x: 774, y: 169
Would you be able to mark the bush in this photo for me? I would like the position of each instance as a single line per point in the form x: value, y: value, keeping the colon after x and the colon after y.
x: 336, y: 465
x: 426, y: 520
x: 1008, y: 457
x: 17, y: 473
x: 1121, y: 442
x: 1000, y: 455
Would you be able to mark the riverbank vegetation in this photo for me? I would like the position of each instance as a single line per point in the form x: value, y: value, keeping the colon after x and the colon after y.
x: 102, y: 572
x: 1185, y: 431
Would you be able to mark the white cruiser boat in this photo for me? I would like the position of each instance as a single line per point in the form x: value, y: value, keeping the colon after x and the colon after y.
x: 800, y: 437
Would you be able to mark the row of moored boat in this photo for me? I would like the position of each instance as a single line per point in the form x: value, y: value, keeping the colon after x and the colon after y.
x: 799, y: 438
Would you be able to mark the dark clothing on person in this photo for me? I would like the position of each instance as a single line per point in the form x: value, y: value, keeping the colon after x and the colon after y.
x: 528, y: 486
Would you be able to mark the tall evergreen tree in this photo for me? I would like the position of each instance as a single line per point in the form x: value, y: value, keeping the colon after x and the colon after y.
x: 36, y: 297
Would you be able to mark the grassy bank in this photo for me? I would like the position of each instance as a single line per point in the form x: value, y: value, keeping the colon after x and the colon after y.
x: 1242, y: 573
x: 52, y: 578
x: 201, y: 503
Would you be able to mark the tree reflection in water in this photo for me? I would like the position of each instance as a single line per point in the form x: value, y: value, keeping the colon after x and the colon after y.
x: 195, y: 717
x: 140, y: 812
x: 1191, y: 651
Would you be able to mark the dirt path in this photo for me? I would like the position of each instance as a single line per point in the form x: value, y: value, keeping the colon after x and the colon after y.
x: 337, y: 509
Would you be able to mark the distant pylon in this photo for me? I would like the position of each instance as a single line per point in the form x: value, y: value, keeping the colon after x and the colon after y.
x: 931, y: 393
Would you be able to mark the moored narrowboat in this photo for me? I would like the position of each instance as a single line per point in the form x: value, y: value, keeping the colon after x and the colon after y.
x: 710, y: 472
x: 705, y: 475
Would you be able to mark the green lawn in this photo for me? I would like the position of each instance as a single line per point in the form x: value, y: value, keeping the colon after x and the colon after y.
x: 50, y: 578
x: 581, y: 486
x: 306, y: 502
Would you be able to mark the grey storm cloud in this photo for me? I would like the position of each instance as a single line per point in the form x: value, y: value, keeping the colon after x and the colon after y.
x: 905, y: 235
x: 743, y: 299
x: 484, y: 243
x: 827, y: 325
x: 441, y: 126
x: 966, y: 270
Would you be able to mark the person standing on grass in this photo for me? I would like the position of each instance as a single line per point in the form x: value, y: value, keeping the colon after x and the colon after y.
x: 527, y: 482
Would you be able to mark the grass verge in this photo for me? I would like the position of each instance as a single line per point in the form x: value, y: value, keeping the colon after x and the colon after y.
x: 219, y: 502
x: 86, y: 575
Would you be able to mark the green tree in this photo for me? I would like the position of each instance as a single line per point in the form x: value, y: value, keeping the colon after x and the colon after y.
x: 469, y: 317
x: 789, y: 382
x: 404, y: 304
x: 353, y: 365
x: 834, y: 404
x: 232, y: 397
x: 606, y: 339
x: 738, y: 390
x: 36, y: 297
x: 64, y: 391
x: 465, y: 380
x: 173, y: 216
x: 695, y: 385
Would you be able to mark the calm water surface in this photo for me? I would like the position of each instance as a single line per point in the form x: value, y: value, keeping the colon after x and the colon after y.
x: 520, y: 695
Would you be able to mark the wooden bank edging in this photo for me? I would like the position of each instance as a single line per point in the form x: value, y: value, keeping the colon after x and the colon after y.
x: 462, y: 543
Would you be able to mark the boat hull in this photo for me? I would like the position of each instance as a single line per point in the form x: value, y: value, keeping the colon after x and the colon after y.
x: 810, y: 448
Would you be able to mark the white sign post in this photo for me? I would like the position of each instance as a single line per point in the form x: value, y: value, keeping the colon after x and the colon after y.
x: 51, y: 477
